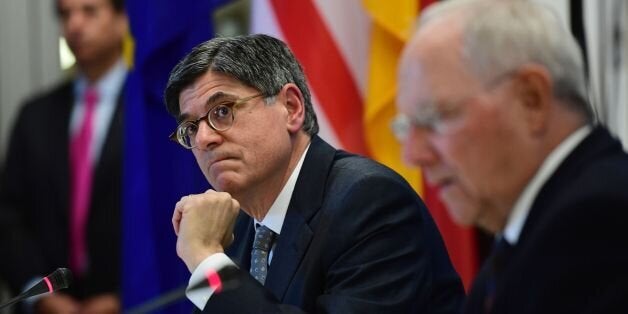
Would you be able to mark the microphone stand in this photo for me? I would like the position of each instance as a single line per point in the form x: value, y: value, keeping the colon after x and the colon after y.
x: 13, y: 301
x: 224, y: 279
x: 156, y: 303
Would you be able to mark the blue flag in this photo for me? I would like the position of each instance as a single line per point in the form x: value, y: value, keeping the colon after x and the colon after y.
x: 157, y: 172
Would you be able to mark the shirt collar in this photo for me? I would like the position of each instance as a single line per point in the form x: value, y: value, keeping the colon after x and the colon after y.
x: 521, y: 209
x: 108, y: 85
x: 277, y: 212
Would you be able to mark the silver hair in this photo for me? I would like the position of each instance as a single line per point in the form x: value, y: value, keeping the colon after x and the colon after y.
x: 259, y: 61
x: 501, y: 35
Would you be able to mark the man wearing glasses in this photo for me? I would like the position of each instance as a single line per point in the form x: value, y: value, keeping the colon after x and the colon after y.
x: 310, y: 228
x: 494, y: 108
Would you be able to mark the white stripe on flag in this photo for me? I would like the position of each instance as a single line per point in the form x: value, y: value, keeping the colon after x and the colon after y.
x: 350, y: 27
x: 264, y: 20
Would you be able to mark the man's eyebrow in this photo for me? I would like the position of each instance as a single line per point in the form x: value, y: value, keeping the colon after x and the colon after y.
x: 216, y: 97
x: 182, y: 117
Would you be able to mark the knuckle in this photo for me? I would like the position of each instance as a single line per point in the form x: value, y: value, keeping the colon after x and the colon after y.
x: 223, y: 196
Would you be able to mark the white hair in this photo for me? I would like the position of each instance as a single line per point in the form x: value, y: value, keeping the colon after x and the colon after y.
x: 501, y: 35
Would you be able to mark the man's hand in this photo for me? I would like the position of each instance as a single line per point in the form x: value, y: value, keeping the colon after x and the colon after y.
x: 57, y: 303
x: 101, y: 304
x: 204, y: 225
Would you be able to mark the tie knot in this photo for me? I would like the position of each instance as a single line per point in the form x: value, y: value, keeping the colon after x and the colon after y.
x: 91, y: 96
x: 263, y: 238
x: 501, y: 254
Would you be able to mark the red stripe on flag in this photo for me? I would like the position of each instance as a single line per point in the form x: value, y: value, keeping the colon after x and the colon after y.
x: 327, y: 73
x: 424, y: 3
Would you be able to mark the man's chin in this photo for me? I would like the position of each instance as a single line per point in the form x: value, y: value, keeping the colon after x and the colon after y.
x: 461, y: 219
x: 461, y: 212
x: 224, y: 183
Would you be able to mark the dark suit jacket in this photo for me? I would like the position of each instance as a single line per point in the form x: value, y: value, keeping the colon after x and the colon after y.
x: 356, y: 239
x: 572, y: 254
x: 34, y: 198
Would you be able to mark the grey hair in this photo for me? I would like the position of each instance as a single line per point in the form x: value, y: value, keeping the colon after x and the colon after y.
x: 258, y: 61
x: 501, y: 35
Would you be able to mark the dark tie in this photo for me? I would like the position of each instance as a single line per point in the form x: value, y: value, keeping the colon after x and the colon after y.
x: 498, y: 262
x: 259, y: 255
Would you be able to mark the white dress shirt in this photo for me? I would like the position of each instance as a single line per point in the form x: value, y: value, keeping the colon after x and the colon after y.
x: 109, y: 88
x: 273, y: 220
x: 521, y: 209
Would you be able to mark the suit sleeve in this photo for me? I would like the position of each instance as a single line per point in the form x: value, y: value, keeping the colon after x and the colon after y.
x: 387, y: 243
x: 21, y: 259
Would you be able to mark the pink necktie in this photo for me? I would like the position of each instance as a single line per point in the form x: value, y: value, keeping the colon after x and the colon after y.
x: 81, y: 183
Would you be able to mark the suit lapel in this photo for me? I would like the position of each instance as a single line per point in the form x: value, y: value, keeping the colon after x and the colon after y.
x: 109, y: 165
x: 296, y: 233
x: 598, y: 143
x: 59, y: 142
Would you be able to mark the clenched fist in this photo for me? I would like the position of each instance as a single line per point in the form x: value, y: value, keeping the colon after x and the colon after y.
x: 204, y: 225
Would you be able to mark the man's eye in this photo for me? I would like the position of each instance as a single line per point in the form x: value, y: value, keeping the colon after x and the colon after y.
x: 190, y: 129
x: 90, y: 10
x: 221, y: 112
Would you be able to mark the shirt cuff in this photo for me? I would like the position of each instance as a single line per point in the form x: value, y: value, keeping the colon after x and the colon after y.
x: 200, y: 296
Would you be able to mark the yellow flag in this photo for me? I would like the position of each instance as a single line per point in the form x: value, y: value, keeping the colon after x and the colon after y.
x: 392, y: 25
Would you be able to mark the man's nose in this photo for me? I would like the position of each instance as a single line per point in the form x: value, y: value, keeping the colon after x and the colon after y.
x: 206, y: 136
x: 74, y: 23
x: 417, y: 149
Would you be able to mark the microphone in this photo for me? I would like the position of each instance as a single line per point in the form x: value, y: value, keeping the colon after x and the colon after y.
x: 59, y: 279
x: 222, y: 280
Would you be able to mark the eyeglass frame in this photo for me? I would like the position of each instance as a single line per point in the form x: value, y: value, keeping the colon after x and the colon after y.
x: 177, y: 135
x: 430, y: 116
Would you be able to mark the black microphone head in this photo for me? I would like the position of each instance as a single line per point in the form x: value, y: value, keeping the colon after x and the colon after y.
x: 60, y: 278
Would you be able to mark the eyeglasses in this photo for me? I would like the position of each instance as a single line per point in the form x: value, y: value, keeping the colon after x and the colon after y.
x: 430, y: 117
x: 435, y: 116
x: 220, y: 118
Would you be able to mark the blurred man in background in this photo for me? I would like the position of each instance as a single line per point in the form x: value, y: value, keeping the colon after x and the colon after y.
x: 61, y: 186
x: 493, y: 107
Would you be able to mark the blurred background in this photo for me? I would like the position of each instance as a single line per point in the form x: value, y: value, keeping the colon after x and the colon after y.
x: 349, y: 51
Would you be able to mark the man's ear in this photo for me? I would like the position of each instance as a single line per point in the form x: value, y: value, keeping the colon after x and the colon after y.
x: 122, y: 24
x: 295, y: 107
x: 534, y: 87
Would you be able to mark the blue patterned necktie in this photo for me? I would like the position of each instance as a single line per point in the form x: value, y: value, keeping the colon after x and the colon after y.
x: 259, y: 255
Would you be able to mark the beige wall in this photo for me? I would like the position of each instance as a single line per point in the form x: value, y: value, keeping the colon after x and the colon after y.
x: 29, y: 56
